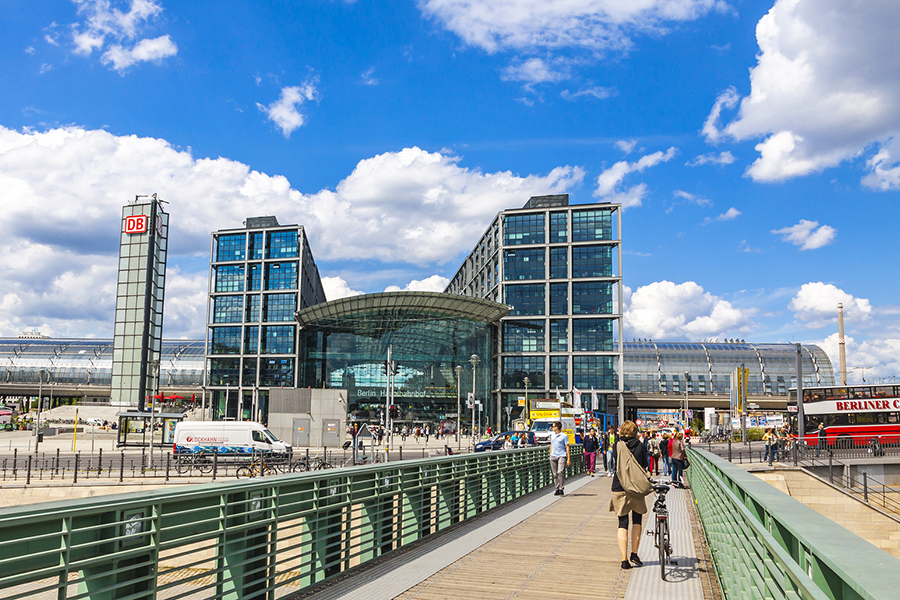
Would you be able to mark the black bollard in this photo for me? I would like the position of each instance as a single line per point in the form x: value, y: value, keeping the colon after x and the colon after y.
x: 729, y: 448
x: 77, y: 457
x: 168, y: 465
x: 28, y: 475
x: 57, y: 461
x: 100, y: 463
x: 15, y: 456
x: 122, y: 468
x: 215, y: 462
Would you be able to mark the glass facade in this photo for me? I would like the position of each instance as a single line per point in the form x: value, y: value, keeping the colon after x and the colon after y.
x: 581, y: 278
x: 270, y: 273
x: 140, y: 293
x: 345, y: 342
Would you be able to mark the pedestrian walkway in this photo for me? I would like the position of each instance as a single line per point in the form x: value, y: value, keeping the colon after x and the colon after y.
x: 542, y: 547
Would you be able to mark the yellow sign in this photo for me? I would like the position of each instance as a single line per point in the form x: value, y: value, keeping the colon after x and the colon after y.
x: 544, y: 414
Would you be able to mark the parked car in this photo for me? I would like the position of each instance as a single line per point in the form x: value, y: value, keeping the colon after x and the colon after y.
x: 496, y: 442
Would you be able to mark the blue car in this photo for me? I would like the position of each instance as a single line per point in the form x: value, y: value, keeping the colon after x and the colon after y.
x: 496, y: 442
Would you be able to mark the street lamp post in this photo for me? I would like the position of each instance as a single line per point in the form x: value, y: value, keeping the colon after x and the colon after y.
x: 37, y: 428
x: 527, y: 383
x: 459, y: 371
x: 474, y: 360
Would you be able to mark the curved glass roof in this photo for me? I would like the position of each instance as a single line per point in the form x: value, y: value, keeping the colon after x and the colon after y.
x: 397, y: 309
x: 89, y: 361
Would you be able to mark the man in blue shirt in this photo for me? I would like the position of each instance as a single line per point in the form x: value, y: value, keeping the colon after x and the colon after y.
x: 559, y: 450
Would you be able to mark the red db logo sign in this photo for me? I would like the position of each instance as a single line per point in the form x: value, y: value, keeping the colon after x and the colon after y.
x: 136, y: 224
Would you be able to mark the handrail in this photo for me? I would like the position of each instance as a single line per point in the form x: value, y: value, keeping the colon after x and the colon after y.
x: 252, y: 539
x: 768, y: 545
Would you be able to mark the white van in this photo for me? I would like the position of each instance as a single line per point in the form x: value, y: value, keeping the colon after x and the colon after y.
x: 542, y: 429
x: 226, y: 437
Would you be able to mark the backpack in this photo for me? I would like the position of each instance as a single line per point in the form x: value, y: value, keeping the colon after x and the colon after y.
x: 653, y: 445
x: 633, y: 478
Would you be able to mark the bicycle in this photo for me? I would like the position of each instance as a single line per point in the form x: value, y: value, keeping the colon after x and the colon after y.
x: 185, y: 463
x: 258, y: 467
x: 312, y: 463
x: 660, y: 532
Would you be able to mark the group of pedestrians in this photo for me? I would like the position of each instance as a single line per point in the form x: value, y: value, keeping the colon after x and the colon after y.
x: 649, y: 450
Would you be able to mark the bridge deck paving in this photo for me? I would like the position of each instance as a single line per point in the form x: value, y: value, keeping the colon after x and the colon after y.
x: 542, y: 547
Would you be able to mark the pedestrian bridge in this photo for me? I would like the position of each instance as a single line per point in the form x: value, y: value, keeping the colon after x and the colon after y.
x: 465, y: 526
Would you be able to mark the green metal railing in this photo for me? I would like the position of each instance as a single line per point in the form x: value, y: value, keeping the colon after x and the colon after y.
x: 266, y: 538
x: 766, y: 544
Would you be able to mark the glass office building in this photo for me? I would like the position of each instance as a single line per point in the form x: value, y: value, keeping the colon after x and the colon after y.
x: 259, y: 277
x: 344, y: 344
x: 560, y: 268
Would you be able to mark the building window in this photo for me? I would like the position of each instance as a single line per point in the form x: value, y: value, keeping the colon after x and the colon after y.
x: 278, y: 339
x: 591, y: 225
x: 224, y: 371
x: 559, y: 298
x: 592, y: 335
x: 254, y: 283
x: 282, y: 244
x: 559, y: 335
x: 251, y: 340
x: 256, y: 246
x: 559, y: 263
x: 523, y: 336
x: 592, y: 261
x: 228, y: 309
x: 276, y: 372
x: 230, y: 278
x: 559, y: 372
x: 592, y: 298
x: 281, y: 276
x: 253, y: 308
x: 558, y: 227
x: 231, y: 247
x: 526, y: 300
x: 248, y: 376
x: 516, y: 368
x: 523, y: 229
x: 280, y: 307
x: 225, y: 340
x: 523, y: 264
x: 594, y: 372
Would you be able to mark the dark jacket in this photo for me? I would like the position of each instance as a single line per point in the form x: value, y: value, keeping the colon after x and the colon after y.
x: 590, y: 444
x: 664, y: 446
x: 637, y: 449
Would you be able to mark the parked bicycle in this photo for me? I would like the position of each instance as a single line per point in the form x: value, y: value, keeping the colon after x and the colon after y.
x: 185, y: 463
x: 660, y: 533
x: 259, y: 466
x: 310, y: 463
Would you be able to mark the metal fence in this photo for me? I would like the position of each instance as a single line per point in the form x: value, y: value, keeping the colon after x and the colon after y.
x: 261, y: 538
x: 766, y: 544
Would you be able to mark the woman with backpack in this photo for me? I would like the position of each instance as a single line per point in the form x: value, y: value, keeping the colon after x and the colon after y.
x: 623, y: 503
x: 664, y: 453
x: 654, y: 453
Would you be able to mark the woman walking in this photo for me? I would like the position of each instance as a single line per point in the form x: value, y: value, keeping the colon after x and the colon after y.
x: 677, y: 457
x: 622, y: 503
x: 590, y: 450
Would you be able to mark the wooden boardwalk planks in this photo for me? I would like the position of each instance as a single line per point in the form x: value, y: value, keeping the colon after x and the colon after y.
x: 567, y: 550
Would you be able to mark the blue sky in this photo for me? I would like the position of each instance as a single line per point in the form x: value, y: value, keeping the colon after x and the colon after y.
x: 753, y: 145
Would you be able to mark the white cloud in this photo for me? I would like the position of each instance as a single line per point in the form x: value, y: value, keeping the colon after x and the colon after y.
x: 722, y: 158
x: 729, y: 215
x: 825, y: 90
x: 712, y: 126
x: 435, y: 283
x: 816, y: 305
x: 62, y: 192
x: 876, y: 361
x: 688, y: 198
x: 102, y: 23
x: 745, y: 246
x: 609, y: 182
x: 584, y: 28
x: 368, y: 77
x: 666, y: 311
x: 807, y: 234
x: 336, y: 288
x: 285, y: 112
x: 549, y: 24
x: 535, y: 71
x: 626, y: 146
x: 144, y: 51
x: 600, y: 93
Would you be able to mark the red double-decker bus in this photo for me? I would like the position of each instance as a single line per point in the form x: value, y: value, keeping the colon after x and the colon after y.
x: 853, y: 415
